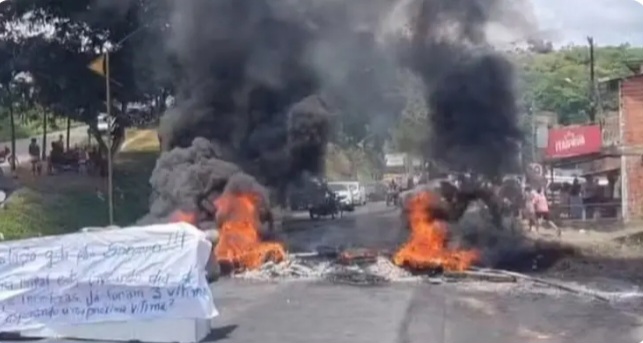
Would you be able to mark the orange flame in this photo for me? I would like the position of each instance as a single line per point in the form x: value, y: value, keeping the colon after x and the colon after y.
x: 426, y: 247
x: 239, y: 242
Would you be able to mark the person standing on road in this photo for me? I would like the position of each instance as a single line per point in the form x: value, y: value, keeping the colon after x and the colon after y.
x: 61, y: 142
x: 392, y: 186
x: 529, y: 211
x: 34, y: 156
x: 542, y: 211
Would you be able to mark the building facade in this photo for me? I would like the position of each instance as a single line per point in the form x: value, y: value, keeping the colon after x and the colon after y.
x: 631, y: 137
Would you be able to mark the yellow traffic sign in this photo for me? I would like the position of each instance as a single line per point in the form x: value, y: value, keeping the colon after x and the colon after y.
x: 98, y: 65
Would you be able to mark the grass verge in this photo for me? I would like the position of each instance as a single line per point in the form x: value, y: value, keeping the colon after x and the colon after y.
x: 32, y: 128
x: 65, y: 203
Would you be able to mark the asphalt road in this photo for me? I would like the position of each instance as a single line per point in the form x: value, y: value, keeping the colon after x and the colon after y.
x: 76, y: 135
x: 372, y: 226
x: 408, y: 313
x: 292, y: 312
x: 302, y: 311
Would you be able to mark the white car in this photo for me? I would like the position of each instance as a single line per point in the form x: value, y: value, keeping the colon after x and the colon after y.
x: 358, y: 192
x: 342, y: 191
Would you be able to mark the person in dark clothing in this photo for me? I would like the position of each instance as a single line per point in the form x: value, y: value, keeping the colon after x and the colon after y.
x: 575, y: 189
x: 61, y: 142
x: 55, y: 157
x: 34, y: 156
x: 392, y: 186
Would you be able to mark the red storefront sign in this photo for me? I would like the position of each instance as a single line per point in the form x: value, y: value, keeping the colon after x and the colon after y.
x: 574, y: 141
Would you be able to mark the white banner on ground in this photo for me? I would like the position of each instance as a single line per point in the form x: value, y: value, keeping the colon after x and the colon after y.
x: 117, y: 275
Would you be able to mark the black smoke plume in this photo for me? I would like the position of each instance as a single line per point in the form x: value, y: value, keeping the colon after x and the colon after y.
x: 245, y: 104
x: 473, y: 121
x: 469, y: 86
x: 256, y: 92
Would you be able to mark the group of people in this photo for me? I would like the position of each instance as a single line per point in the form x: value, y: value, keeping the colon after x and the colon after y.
x: 58, y: 157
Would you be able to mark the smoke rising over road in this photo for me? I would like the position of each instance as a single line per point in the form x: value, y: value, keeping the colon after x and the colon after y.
x: 262, y: 84
x: 469, y: 86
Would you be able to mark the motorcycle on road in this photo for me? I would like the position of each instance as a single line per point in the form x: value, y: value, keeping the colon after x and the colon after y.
x: 392, y: 198
x: 328, y: 206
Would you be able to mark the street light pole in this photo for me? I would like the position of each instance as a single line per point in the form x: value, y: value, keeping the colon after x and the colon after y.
x: 110, y: 173
x: 110, y: 126
x: 103, y: 68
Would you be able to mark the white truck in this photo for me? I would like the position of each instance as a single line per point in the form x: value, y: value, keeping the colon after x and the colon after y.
x: 398, y: 167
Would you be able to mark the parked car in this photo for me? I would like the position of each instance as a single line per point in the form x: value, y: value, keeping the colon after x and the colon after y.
x: 356, y: 190
x: 344, y: 195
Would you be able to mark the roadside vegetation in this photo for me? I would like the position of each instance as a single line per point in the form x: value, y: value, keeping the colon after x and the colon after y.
x: 68, y: 202
x: 59, y: 204
x: 350, y: 164
x: 30, y: 126
x: 394, y: 117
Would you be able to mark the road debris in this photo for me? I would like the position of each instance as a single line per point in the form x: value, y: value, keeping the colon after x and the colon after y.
x: 356, y: 277
x: 291, y: 269
x: 549, y: 283
x: 312, y: 266
x: 377, y: 270
x: 472, y: 275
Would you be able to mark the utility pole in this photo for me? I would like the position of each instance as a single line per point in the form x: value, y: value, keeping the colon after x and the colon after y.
x: 534, y: 131
x: 592, y: 93
x: 110, y: 121
x: 101, y: 67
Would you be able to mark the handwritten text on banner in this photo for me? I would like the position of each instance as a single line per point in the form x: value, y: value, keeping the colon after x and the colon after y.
x: 135, y: 273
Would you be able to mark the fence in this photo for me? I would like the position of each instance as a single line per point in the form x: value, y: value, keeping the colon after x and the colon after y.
x: 604, y: 216
x: 587, y: 211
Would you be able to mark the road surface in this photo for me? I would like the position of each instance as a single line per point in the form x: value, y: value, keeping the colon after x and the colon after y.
x: 319, y: 311
x: 411, y: 313
x: 372, y: 226
x: 76, y: 135
x: 293, y: 312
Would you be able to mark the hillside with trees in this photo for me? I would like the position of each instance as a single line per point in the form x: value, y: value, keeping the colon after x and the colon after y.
x: 46, y: 72
x: 556, y: 81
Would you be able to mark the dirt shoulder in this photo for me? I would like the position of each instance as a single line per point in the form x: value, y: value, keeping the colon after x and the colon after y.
x: 606, y: 260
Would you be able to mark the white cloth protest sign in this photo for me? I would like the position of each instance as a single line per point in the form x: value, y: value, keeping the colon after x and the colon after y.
x: 117, y: 275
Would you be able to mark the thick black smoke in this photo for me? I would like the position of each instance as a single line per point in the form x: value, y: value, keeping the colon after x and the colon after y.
x: 259, y: 83
x: 257, y: 89
x: 245, y: 101
x: 473, y: 116
x: 469, y: 86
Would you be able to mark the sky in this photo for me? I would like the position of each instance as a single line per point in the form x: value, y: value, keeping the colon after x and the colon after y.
x: 610, y: 22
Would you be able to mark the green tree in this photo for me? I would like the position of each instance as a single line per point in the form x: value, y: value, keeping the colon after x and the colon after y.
x: 11, y: 84
x: 558, y: 81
